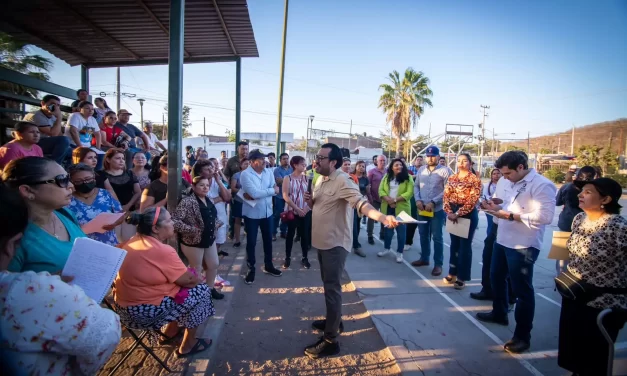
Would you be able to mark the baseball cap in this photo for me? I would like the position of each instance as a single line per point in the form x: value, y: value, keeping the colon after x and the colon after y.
x: 123, y: 111
x: 256, y: 154
x: 605, y: 186
x: 432, y: 151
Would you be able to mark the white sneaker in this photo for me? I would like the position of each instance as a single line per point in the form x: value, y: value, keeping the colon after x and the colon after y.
x: 399, y: 257
x: 383, y: 253
x: 407, y: 247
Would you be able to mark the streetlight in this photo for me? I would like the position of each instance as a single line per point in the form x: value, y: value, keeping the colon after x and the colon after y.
x: 141, y: 111
x: 310, y: 120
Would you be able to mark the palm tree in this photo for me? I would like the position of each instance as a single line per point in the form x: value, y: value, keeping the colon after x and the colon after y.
x: 403, y: 101
x: 15, y: 55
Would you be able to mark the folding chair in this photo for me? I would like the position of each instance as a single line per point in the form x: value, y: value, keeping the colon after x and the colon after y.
x: 139, y: 341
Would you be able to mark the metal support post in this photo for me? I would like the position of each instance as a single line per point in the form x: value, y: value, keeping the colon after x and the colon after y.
x: 238, y: 100
x: 117, y: 87
x: 175, y: 100
x: 85, y: 78
x: 281, y: 80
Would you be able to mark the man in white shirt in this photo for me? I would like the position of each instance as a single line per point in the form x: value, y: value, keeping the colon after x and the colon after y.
x: 372, y: 165
x: 153, y: 141
x: 528, y: 206
x: 258, y: 184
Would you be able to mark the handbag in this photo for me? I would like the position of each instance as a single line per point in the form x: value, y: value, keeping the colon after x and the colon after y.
x: 576, y: 289
x: 287, y: 216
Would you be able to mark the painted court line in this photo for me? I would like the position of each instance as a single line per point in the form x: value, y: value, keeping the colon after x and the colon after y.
x: 542, y: 354
x: 548, y: 299
x: 481, y: 327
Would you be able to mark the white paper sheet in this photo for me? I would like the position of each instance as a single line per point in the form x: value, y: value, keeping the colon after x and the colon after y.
x: 94, y: 266
x: 102, y: 219
x: 461, y: 228
x: 240, y: 194
x: 406, y: 218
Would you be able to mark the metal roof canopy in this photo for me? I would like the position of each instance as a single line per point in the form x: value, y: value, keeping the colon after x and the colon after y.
x: 120, y: 33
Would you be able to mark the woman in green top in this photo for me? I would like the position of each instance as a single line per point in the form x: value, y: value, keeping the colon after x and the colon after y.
x: 396, y: 191
x: 51, y: 229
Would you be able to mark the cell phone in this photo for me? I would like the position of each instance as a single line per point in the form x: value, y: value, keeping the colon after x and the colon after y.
x: 51, y: 107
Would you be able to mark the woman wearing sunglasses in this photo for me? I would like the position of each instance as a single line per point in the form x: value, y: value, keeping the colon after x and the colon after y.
x: 51, y: 229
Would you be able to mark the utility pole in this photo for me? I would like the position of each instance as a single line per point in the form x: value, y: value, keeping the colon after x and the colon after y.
x: 164, y: 129
x: 310, y: 120
x: 204, y: 132
x: 482, y: 137
x: 141, y: 112
x: 280, y: 114
x: 350, y: 134
x: 528, y: 143
x: 117, y: 84
x: 572, y: 142
x: 559, y: 142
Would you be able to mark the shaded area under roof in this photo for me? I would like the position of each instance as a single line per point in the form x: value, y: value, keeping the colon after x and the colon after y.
x: 114, y: 33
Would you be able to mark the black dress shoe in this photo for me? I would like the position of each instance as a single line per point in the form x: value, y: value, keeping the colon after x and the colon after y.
x: 490, y: 317
x: 370, y: 240
x: 516, y: 345
x: 481, y: 295
x: 322, y: 348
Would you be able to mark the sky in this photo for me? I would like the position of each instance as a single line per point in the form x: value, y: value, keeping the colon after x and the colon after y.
x: 541, y: 66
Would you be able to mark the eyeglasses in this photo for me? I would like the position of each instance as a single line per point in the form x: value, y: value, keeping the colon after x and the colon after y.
x: 62, y: 181
x: 321, y: 157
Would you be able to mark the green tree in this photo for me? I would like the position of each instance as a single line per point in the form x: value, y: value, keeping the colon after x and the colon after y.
x: 403, y: 101
x: 16, y: 55
x: 514, y: 147
x: 588, y: 155
x: 186, y: 123
x: 230, y: 135
x: 546, y: 151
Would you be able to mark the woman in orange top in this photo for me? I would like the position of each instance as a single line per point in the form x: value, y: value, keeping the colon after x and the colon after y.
x: 461, y: 196
x: 154, y: 288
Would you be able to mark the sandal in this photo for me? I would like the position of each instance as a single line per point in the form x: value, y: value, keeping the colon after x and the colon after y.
x: 168, y: 341
x: 450, y: 279
x: 195, y: 350
x: 459, y: 285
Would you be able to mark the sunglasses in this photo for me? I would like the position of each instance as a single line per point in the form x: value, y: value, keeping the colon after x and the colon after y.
x: 62, y: 181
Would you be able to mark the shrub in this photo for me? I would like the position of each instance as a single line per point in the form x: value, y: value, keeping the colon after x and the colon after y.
x: 555, y: 175
x: 620, y: 178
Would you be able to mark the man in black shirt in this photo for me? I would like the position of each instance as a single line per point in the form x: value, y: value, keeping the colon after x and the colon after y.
x: 82, y: 95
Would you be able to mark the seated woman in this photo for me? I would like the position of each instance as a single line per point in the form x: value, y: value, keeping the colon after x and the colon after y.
x: 154, y: 288
x: 90, y: 158
x: 52, y: 229
x: 54, y: 328
x: 195, y: 221
x: 88, y: 202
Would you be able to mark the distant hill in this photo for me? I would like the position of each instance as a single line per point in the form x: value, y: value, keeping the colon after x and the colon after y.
x: 612, y: 133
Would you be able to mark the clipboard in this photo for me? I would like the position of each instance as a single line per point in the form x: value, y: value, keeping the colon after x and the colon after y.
x: 461, y: 228
x: 559, y: 251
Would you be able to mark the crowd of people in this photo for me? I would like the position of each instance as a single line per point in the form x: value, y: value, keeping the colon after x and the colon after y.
x: 53, y: 184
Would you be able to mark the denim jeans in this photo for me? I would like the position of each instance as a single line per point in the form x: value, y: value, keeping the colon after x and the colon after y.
x: 412, y: 227
x: 490, y: 223
x: 518, y: 265
x: 252, y: 226
x: 461, y: 249
x: 370, y: 225
x: 432, y: 229
x: 57, y: 147
x: 388, y: 233
x: 356, y: 229
x: 278, y: 205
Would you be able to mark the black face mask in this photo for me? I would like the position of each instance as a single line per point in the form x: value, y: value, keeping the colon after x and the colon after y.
x: 85, y: 187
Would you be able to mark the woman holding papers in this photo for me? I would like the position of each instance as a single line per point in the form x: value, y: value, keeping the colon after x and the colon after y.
x: 395, y: 190
x: 294, y: 188
x: 49, y: 327
x: 195, y: 221
x: 88, y: 202
x: 461, y: 196
x: 598, y: 259
x: 237, y: 203
x: 155, y: 289
x: 52, y: 229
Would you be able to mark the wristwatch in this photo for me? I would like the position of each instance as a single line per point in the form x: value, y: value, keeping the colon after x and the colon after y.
x: 511, y: 216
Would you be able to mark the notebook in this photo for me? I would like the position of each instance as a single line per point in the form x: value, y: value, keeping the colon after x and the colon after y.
x: 406, y: 218
x: 94, y: 266
x: 461, y: 228
x: 559, y: 250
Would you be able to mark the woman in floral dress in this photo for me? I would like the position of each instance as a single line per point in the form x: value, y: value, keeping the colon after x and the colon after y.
x: 88, y: 202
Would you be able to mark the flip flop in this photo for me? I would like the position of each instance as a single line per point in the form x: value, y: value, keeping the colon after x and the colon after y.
x: 195, y: 350
x: 178, y: 335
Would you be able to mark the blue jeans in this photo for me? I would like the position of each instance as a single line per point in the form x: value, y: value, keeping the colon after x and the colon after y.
x: 56, y: 147
x: 277, y: 208
x: 388, y: 233
x: 432, y: 229
x: 356, y: 229
x: 252, y: 225
x: 461, y: 249
x: 490, y: 223
x: 518, y: 265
